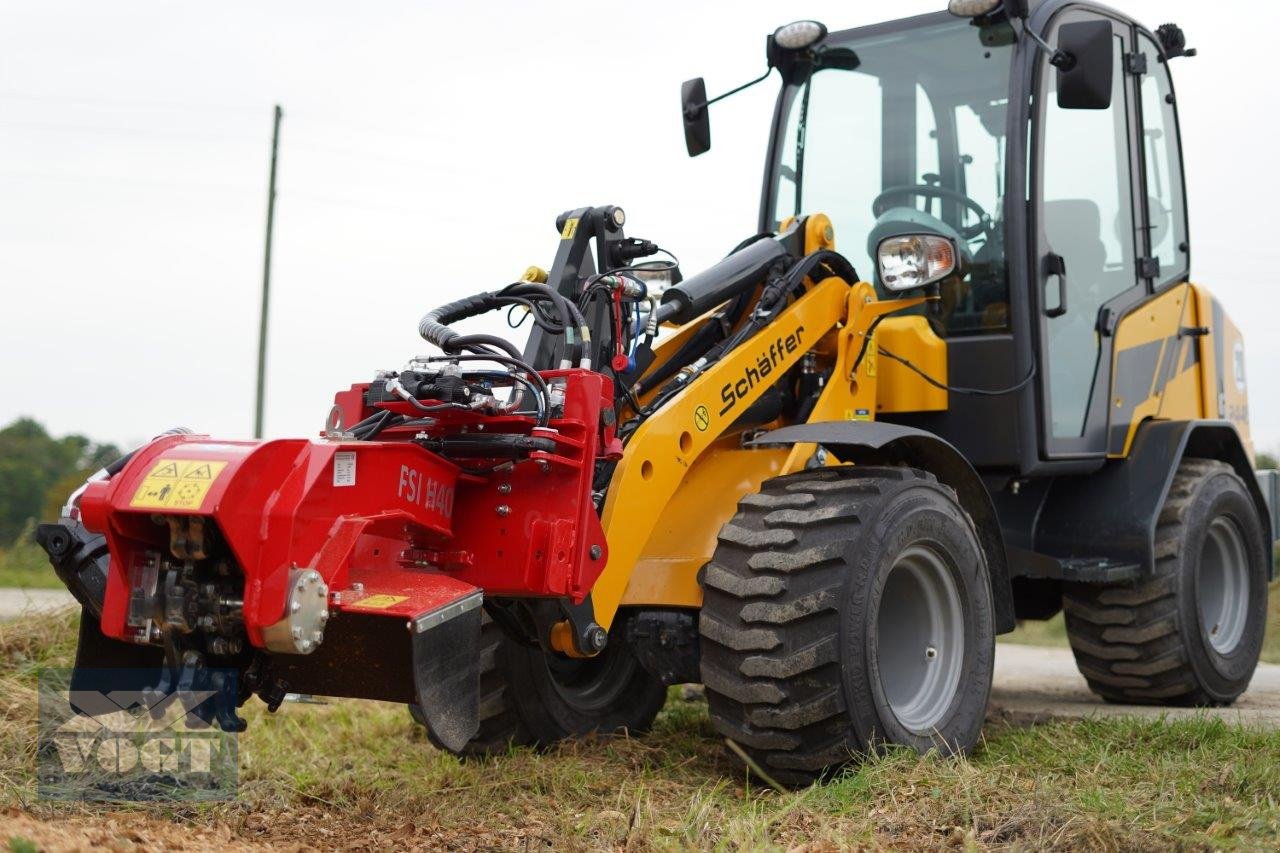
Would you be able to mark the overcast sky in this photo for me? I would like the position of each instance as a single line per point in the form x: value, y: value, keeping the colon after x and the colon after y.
x: 427, y: 148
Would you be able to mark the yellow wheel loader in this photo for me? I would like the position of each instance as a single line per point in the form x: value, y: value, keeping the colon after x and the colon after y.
x: 959, y: 377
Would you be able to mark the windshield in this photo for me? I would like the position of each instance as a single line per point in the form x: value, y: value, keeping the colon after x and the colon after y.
x: 910, y: 140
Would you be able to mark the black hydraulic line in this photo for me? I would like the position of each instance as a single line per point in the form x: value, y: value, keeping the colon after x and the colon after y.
x: 834, y: 262
x: 533, y: 375
x: 434, y: 326
x: 971, y: 392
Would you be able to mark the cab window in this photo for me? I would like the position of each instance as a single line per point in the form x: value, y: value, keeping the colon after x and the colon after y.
x: 1163, y: 157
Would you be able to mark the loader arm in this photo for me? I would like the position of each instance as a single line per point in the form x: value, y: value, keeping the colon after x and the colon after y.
x: 667, y: 445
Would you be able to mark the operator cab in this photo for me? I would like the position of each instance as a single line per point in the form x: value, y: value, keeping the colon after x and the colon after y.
x: 948, y: 125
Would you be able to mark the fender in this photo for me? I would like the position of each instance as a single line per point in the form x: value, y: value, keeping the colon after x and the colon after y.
x: 874, y: 442
x: 1113, y: 513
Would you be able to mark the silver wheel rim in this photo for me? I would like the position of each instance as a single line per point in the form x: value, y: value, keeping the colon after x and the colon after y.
x: 1222, y: 586
x: 920, y: 639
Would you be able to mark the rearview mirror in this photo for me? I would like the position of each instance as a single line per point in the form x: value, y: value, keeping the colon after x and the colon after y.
x: 697, y: 119
x: 1086, y: 77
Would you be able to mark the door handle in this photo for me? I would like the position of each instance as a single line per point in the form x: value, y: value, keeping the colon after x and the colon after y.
x: 1055, y: 266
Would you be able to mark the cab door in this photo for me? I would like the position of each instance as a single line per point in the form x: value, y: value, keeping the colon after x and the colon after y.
x: 1087, y: 247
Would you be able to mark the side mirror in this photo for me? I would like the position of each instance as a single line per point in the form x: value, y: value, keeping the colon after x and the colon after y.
x: 1087, y: 70
x: 697, y: 119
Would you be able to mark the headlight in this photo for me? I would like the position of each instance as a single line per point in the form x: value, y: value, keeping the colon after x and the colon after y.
x: 914, y: 260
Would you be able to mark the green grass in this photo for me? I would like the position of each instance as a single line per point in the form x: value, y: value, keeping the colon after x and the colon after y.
x: 358, y: 773
x: 24, y: 564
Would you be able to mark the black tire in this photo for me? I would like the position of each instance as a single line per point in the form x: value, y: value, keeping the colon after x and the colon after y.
x: 531, y: 698
x: 791, y: 625
x: 1153, y: 642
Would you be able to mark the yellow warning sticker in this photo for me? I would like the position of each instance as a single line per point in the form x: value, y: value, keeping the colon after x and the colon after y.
x: 177, y: 484
x: 570, y: 228
x: 381, y: 602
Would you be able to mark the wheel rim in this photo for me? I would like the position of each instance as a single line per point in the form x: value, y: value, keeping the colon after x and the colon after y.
x: 1222, y: 586
x: 920, y: 639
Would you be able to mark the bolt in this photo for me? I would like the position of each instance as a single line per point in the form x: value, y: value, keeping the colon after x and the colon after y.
x: 930, y: 653
x: 504, y: 488
x: 503, y: 510
x: 324, y: 616
x: 317, y: 636
x: 357, y: 587
x: 295, y: 607
x: 322, y: 591
x: 596, y: 638
x: 596, y: 552
x: 305, y: 646
x: 296, y: 633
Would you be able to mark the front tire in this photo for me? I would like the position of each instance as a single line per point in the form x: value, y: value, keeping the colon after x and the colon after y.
x: 1192, y: 633
x: 845, y: 609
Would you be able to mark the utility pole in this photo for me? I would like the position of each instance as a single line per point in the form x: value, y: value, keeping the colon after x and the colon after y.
x: 266, y: 276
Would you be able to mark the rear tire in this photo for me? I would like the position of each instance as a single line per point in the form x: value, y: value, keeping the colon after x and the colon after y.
x: 1192, y: 633
x: 532, y: 698
x: 844, y: 609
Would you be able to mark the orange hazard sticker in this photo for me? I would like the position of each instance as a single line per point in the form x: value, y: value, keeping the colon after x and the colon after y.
x: 177, y: 484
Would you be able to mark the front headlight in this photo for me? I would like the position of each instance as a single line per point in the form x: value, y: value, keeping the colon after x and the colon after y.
x: 915, y: 260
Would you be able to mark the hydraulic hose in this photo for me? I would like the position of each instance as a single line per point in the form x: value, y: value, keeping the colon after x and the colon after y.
x: 109, y: 471
x: 434, y: 326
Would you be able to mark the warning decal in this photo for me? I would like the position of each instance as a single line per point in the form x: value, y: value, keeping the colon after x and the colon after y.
x: 176, y: 484
x: 381, y: 602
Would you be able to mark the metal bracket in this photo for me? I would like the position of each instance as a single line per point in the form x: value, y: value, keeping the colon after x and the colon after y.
x: 440, y: 615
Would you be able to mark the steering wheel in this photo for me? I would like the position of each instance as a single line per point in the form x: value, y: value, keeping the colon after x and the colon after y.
x: 881, y: 204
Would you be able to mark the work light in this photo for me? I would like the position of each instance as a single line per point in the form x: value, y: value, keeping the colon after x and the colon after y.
x: 914, y: 260
x: 971, y: 8
x: 799, y: 34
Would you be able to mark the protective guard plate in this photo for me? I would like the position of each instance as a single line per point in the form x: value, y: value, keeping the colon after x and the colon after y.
x: 446, y: 671
x: 427, y: 657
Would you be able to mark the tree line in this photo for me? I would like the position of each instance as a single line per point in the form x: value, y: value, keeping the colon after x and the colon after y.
x: 39, y: 471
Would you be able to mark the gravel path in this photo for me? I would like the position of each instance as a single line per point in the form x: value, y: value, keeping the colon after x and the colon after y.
x: 1034, y: 683
x: 20, y: 602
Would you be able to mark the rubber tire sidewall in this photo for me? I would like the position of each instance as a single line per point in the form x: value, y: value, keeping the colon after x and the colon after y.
x: 1222, y: 678
x: 549, y: 717
x: 917, y: 516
